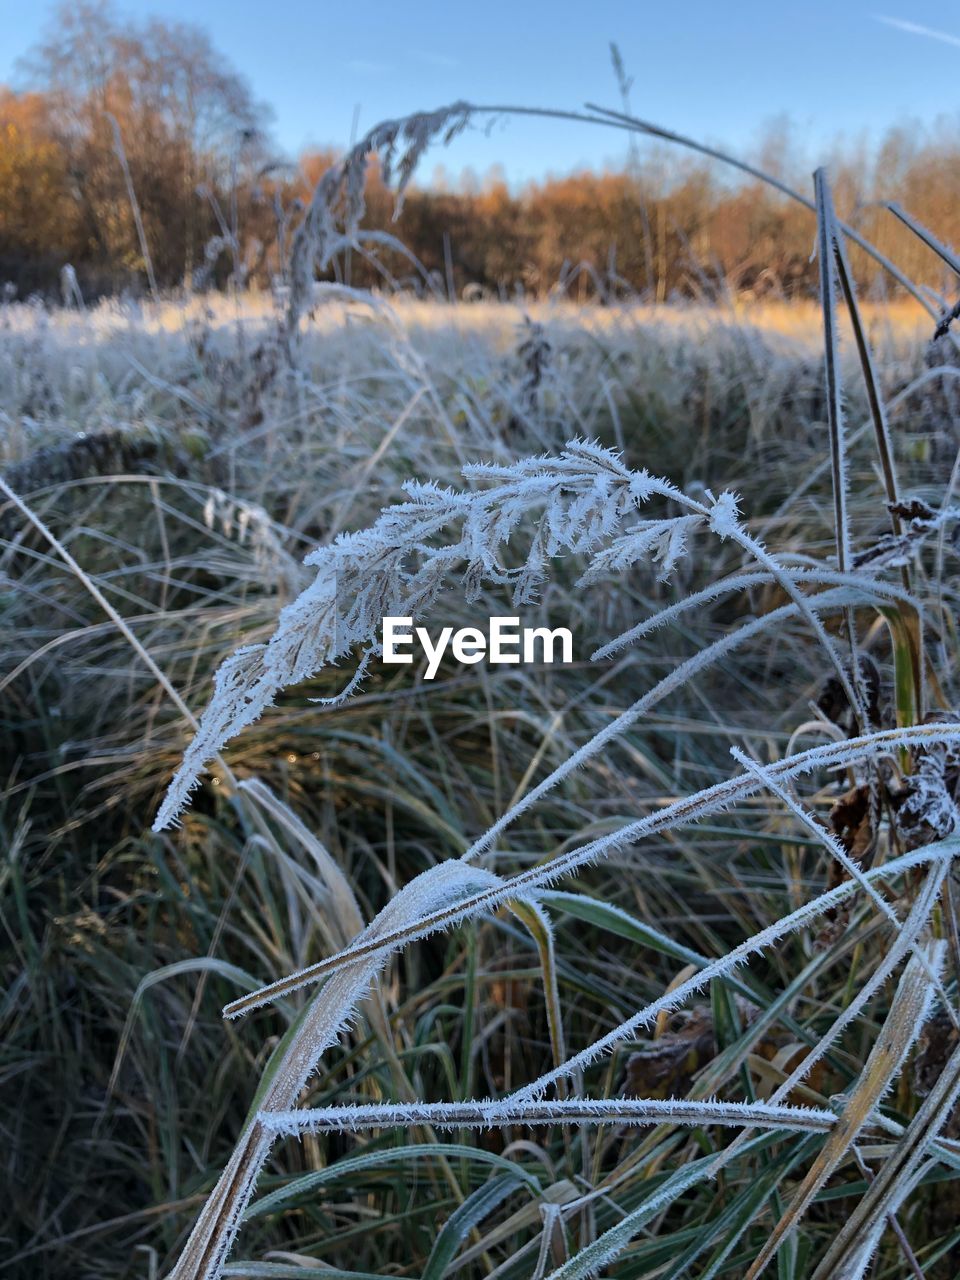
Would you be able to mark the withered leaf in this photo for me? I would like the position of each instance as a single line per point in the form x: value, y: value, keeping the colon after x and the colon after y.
x: 665, y: 1067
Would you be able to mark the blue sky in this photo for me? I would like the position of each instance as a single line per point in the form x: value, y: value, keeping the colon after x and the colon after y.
x: 720, y: 72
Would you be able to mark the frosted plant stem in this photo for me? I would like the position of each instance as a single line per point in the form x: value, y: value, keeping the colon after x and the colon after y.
x: 942, y: 852
x: 906, y: 941
x: 688, y: 809
x: 676, y: 679
x: 489, y: 1113
x: 783, y: 577
x: 853, y: 869
x: 826, y: 262
x: 134, y: 206
x: 743, y: 582
x: 908, y: 1012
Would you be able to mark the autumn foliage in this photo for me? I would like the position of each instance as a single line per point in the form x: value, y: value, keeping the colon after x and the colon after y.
x: 219, y: 207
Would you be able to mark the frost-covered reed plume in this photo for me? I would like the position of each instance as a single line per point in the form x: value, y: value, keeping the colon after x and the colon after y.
x: 400, y: 565
x: 504, y: 533
x: 333, y: 217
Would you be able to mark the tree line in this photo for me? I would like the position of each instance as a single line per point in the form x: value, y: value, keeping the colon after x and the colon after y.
x: 140, y: 159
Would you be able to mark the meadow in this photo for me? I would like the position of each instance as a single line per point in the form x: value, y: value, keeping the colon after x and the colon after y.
x: 642, y: 966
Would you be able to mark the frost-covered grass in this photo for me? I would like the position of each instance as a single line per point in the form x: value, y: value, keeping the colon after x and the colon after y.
x: 641, y: 966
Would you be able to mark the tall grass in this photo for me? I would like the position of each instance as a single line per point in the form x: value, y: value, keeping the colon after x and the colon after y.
x: 505, y: 956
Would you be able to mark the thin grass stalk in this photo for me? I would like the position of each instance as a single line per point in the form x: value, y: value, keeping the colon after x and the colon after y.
x: 852, y: 869
x: 926, y: 235
x: 896, y: 1176
x: 688, y: 809
x: 831, y: 354
x: 871, y: 380
x: 916, y: 922
x: 489, y: 1113
x: 118, y: 621
x: 943, y: 851
x: 909, y: 1256
x: 135, y: 207
x: 886, y: 455
x: 826, y: 239
x: 908, y: 1012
